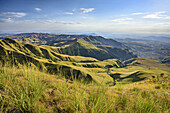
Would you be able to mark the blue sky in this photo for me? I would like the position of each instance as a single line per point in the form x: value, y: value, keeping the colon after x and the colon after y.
x: 82, y: 16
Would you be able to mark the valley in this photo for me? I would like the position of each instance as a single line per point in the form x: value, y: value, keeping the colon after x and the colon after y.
x: 43, y: 72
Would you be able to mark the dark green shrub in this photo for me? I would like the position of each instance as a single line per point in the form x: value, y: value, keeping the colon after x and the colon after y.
x: 157, y: 87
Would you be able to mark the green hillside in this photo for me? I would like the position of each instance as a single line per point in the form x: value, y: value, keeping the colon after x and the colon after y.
x: 43, y: 78
x: 46, y: 58
x: 86, y: 48
x: 52, y: 39
x: 78, y: 45
x: 99, y: 40
x: 24, y: 89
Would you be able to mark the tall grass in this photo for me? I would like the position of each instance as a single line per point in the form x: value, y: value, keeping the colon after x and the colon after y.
x: 25, y: 89
x: 21, y: 88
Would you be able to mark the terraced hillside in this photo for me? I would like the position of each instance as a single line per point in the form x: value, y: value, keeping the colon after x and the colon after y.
x: 46, y: 58
x: 51, y: 60
x: 84, y: 47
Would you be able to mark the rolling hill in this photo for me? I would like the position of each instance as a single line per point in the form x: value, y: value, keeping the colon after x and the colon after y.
x: 52, y: 39
x: 86, y: 59
x: 78, y: 45
x: 37, y: 77
x: 95, y: 49
x: 48, y: 59
x: 79, y: 57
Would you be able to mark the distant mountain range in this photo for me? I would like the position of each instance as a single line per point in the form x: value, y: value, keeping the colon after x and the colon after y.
x: 147, y: 48
x: 78, y: 45
x: 153, y: 47
x: 154, y: 37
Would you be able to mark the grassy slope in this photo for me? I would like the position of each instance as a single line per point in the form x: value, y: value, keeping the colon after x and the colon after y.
x: 83, y: 47
x: 51, y: 39
x: 25, y: 89
x: 35, y: 41
x: 78, y: 45
x: 48, y: 59
x: 41, y: 57
x: 140, y: 68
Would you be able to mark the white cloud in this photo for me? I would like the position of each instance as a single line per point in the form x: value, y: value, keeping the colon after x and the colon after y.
x: 38, y: 9
x: 13, y: 14
x: 68, y: 13
x: 120, y: 20
x: 157, y: 15
x: 39, y: 25
x: 137, y: 13
x: 6, y: 20
x: 83, y: 10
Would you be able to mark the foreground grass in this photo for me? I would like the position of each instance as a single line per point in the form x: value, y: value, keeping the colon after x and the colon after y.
x: 25, y: 89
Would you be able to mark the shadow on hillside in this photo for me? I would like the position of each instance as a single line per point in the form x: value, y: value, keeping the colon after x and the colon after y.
x: 135, y: 77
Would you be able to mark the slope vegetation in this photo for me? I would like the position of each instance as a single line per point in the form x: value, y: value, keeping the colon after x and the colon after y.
x: 24, y: 89
x: 89, y: 47
x: 47, y: 58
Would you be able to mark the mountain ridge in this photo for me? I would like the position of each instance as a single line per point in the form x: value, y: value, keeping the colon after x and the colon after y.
x: 46, y: 58
x: 94, y: 46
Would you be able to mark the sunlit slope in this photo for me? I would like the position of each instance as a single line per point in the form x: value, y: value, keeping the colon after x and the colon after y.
x: 78, y: 45
x: 46, y: 58
x: 52, y: 39
x: 39, y: 51
x: 28, y: 90
x: 49, y: 58
x: 139, y: 69
x: 84, y: 47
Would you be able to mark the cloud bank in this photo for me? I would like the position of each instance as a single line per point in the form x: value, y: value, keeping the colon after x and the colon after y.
x: 13, y: 14
x: 157, y: 15
x: 6, y: 20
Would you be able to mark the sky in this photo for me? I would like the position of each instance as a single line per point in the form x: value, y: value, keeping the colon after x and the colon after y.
x: 85, y: 16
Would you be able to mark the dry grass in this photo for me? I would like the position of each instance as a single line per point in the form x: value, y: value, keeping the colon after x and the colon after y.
x: 25, y: 89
